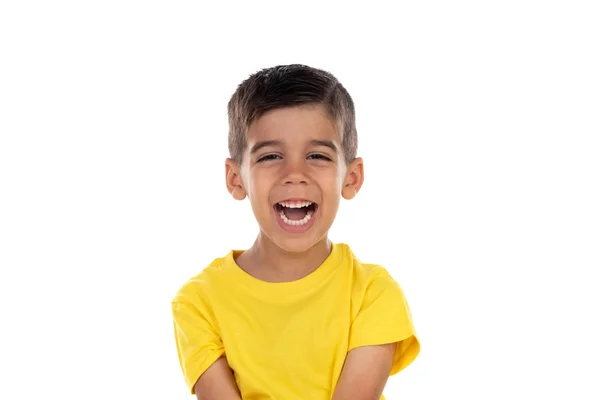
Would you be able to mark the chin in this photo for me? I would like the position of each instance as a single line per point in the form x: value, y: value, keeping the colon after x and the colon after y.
x: 294, y: 245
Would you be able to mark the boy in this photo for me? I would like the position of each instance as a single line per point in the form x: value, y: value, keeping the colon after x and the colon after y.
x: 294, y: 317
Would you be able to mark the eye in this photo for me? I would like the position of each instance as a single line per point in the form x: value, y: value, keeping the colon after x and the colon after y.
x: 318, y: 156
x: 268, y: 157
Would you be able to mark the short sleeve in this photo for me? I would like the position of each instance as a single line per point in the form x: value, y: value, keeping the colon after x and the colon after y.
x: 384, y: 317
x: 198, y: 343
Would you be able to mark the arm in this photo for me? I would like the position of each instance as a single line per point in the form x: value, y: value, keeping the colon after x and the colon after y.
x: 217, y: 383
x: 365, y: 372
x: 201, y: 352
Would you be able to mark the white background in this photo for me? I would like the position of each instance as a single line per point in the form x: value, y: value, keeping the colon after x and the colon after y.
x: 479, y: 125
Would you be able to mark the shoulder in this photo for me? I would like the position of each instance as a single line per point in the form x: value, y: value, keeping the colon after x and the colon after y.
x: 364, y: 273
x: 198, y: 288
x: 380, y: 313
x: 372, y: 281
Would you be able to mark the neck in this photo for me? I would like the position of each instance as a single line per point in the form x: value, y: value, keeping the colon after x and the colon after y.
x: 267, y: 261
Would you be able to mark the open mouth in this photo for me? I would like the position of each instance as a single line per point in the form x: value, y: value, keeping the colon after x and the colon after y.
x: 296, y: 213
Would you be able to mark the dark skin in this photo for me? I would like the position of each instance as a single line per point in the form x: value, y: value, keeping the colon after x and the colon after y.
x: 296, y: 153
x: 363, y: 377
x: 217, y: 382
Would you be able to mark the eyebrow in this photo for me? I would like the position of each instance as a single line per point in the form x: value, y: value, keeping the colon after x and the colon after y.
x: 266, y: 143
x: 325, y: 143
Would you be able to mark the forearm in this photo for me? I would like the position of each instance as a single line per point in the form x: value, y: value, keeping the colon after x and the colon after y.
x: 217, y: 383
x: 365, y: 373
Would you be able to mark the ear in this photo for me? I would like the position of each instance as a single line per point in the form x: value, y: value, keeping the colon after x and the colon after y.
x: 355, y: 176
x: 233, y: 180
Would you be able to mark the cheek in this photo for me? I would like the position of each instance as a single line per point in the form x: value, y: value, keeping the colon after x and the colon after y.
x: 331, y: 188
x: 331, y: 181
x: 258, y: 187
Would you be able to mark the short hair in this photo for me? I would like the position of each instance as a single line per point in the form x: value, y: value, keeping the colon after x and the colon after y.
x: 285, y: 86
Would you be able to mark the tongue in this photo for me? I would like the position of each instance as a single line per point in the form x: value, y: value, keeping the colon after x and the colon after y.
x: 295, y: 213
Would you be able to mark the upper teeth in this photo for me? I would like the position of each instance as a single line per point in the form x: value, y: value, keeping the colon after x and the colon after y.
x: 295, y: 204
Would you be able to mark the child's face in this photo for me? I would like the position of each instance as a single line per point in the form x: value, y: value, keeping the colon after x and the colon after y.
x: 294, y: 173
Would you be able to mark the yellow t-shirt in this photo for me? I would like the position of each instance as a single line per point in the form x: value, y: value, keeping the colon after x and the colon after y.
x: 288, y: 341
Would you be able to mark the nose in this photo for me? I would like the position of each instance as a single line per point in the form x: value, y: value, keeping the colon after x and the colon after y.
x: 295, y: 172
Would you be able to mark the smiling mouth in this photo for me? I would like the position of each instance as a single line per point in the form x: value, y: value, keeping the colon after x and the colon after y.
x: 296, y: 213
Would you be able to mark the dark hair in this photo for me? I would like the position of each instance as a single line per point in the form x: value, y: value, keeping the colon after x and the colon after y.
x: 285, y: 86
